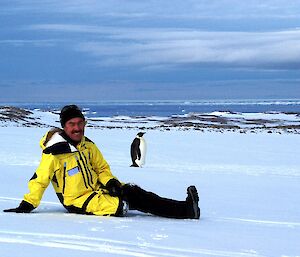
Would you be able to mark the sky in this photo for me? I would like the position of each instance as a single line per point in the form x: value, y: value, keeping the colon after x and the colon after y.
x: 88, y: 50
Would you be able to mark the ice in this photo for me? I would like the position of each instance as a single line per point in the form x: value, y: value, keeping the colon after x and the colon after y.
x: 248, y: 186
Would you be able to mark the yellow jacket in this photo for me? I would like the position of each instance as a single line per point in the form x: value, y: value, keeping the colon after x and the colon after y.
x: 78, y: 175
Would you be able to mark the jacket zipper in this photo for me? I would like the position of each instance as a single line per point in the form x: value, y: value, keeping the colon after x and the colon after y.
x: 64, y: 180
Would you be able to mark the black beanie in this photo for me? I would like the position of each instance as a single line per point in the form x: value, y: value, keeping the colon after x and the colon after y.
x: 69, y: 112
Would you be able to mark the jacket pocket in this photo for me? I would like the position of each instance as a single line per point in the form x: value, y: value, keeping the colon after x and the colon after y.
x: 74, y: 182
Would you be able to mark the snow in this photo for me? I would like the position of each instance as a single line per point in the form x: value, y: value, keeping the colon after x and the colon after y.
x: 248, y: 185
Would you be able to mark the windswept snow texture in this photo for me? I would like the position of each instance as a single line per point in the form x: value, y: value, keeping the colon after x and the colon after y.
x: 248, y: 185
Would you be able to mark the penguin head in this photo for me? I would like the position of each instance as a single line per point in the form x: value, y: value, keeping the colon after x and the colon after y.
x: 140, y: 134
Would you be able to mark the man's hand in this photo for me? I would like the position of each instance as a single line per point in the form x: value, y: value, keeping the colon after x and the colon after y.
x: 114, y: 187
x: 24, y: 207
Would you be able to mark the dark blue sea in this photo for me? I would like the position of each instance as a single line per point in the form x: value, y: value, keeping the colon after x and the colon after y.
x: 169, y: 108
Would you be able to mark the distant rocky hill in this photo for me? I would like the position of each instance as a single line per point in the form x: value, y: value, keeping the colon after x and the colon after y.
x: 216, y: 121
x: 14, y: 116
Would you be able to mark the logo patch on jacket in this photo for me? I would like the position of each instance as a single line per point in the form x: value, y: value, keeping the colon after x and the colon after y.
x: 73, y: 171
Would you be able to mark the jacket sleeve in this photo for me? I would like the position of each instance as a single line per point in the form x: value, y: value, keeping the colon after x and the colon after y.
x: 41, y: 179
x: 101, y: 166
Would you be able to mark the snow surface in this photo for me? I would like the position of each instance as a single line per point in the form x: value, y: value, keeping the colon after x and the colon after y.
x: 248, y: 185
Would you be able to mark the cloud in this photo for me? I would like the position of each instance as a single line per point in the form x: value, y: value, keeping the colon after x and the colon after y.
x: 153, y: 41
x: 117, y: 46
x: 167, y: 9
x: 31, y: 42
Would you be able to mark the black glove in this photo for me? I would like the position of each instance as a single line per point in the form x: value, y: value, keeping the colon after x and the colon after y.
x: 24, y: 207
x: 114, y: 187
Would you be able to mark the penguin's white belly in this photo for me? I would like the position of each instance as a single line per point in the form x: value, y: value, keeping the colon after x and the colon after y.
x: 143, y: 149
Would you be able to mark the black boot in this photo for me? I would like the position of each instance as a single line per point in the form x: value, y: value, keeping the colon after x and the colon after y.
x: 192, y: 202
x: 148, y: 202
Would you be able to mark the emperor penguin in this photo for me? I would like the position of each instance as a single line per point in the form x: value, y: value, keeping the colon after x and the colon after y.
x: 138, y: 150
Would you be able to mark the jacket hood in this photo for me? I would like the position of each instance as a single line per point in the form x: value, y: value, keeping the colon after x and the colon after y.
x: 54, y: 143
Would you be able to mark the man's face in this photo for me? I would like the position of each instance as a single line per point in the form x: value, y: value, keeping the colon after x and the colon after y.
x: 74, y: 129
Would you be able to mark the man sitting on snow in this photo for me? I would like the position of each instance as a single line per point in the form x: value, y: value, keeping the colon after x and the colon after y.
x: 84, y: 183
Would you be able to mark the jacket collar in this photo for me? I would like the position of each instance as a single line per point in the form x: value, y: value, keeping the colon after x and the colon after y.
x: 59, y: 143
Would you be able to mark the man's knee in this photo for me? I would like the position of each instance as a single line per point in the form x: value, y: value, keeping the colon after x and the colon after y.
x: 130, y: 190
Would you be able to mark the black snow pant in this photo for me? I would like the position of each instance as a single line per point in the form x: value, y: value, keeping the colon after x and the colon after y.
x: 148, y: 202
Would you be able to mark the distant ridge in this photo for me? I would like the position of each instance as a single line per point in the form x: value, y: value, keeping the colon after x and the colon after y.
x: 272, y: 122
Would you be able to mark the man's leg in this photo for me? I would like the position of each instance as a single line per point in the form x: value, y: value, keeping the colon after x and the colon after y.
x: 142, y: 200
